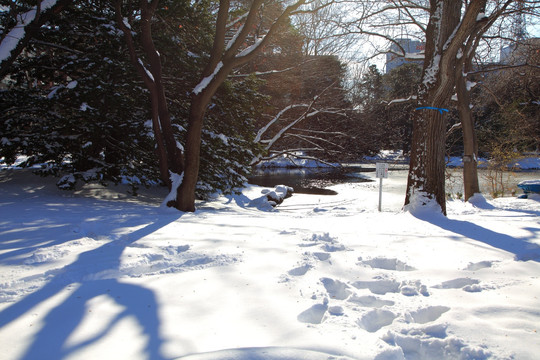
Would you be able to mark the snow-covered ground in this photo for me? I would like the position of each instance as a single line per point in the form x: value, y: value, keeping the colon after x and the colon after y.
x: 96, y: 274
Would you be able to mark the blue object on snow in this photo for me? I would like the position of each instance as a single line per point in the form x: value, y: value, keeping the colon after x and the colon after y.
x: 530, y: 186
x: 432, y: 108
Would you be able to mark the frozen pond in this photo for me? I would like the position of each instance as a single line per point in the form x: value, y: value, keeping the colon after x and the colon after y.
x: 316, y: 180
x: 311, y: 180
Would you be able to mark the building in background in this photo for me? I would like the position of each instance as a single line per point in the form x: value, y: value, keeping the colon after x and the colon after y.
x: 521, y: 52
x: 413, y: 48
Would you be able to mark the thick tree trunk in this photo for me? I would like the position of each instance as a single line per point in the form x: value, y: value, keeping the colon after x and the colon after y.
x: 185, y: 197
x: 446, y: 32
x: 427, y: 165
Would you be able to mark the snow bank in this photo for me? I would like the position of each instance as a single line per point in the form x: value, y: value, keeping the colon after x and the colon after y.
x: 395, y: 156
x: 528, y: 163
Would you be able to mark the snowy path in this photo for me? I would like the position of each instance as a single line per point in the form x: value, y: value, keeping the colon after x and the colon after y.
x: 86, y: 277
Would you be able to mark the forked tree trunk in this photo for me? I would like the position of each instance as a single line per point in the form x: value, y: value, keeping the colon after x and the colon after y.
x: 223, y: 59
x: 446, y: 32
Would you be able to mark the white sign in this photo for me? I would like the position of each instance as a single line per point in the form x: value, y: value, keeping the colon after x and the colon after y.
x: 381, y: 170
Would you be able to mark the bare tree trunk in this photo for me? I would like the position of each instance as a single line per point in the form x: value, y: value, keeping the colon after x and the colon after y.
x: 470, y: 146
x: 170, y: 157
x: 185, y: 198
x: 470, y: 143
x: 175, y: 159
x: 427, y: 165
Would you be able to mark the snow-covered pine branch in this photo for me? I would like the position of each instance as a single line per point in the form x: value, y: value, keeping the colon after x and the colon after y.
x: 15, y: 40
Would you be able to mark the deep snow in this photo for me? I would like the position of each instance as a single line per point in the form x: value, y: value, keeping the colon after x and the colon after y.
x: 98, y: 274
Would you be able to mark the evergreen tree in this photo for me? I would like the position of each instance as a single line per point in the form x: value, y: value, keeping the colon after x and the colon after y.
x: 75, y: 104
x: 400, y: 83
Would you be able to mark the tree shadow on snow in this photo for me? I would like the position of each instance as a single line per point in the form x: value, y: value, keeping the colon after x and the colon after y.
x: 94, y: 275
x: 522, y: 248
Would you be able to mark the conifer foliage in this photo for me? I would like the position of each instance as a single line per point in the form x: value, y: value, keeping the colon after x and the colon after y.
x: 75, y: 107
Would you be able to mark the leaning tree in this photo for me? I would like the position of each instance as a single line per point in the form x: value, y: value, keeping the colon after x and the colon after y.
x: 227, y: 53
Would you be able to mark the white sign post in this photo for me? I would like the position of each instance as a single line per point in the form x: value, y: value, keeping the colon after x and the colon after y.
x: 381, y: 170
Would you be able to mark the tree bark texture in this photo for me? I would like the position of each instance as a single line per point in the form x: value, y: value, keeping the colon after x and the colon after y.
x: 446, y: 32
x: 471, y: 184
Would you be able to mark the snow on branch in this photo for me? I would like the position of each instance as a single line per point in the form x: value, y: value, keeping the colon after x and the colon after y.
x: 252, y: 48
x: 148, y: 73
x: 275, y: 119
x: 310, y: 112
x: 237, y: 20
x: 398, y: 101
x: 415, y: 56
x: 204, y: 82
x: 273, y: 72
x: 17, y: 34
x: 234, y: 38
x: 312, y: 140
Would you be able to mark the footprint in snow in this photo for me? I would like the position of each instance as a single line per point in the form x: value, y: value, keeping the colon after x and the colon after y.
x: 427, y: 314
x: 175, y: 250
x: 387, y: 264
x: 333, y: 247
x: 321, y: 256
x: 479, y: 265
x: 370, y: 301
x: 413, y: 288
x: 466, y: 284
x: 315, y: 314
x: 383, y: 286
x: 336, y: 310
x: 336, y: 289
x: 433, y: 342
x: 379, y: 287
x: 376, y: 319
x: 324, y: 237
x: 299, y: 271
x: 327, y: 242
